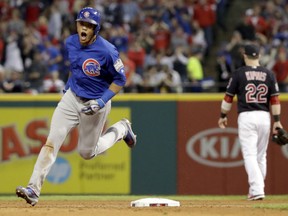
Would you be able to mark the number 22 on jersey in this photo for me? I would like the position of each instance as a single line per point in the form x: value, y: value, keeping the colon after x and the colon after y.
x: 256, y: 93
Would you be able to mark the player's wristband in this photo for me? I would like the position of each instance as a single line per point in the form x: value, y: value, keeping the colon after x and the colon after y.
x: 223, y: 115
x: 108, y: 94
x: 276, y: 118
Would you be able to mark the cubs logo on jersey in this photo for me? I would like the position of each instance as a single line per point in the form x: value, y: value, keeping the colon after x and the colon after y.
x: 91, y: 67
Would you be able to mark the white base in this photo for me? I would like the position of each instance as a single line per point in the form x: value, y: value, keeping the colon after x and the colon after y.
x: 154, y: 202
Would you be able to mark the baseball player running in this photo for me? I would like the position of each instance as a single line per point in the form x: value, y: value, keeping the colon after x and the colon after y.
x: 256, y: 89
x: 97, y: 74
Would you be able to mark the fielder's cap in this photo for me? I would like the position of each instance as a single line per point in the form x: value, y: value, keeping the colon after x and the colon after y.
x: 251, y: 50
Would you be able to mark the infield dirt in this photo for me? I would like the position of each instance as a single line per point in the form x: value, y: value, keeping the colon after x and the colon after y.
x: 122, y: 208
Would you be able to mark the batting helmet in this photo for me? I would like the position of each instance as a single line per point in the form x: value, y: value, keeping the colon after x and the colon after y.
x: 90, y: 15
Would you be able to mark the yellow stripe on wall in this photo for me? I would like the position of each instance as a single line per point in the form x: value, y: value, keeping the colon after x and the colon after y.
x: 130, y: 97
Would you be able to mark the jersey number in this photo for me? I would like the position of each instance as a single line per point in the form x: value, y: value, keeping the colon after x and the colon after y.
x: 256, y: 94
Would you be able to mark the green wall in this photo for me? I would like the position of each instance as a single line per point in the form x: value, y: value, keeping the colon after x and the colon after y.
x: 154, y: 157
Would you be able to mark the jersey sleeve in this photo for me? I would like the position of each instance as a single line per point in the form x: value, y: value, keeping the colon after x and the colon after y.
x: 116, y: 68
x: 274, y: 85
x: 232, y: 85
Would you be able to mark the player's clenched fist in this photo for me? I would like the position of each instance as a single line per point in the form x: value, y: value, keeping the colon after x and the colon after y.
x: 91, y: 107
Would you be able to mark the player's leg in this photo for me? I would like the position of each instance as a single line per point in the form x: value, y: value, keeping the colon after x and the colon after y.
x: 264, y: 134
x: 92, y: 141
x: 118, y: 131
x: 63, y: 120
x: 90, y: 130
x: 248, y: 138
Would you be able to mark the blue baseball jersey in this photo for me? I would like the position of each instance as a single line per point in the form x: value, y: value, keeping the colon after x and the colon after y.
x: 93, y: 67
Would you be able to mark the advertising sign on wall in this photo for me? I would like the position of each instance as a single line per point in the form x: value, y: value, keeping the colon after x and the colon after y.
x: 210, y: 159
x: 21, y: 138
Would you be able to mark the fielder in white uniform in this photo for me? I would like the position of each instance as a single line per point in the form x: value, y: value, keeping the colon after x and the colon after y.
x: 256, y: 89
x: 97, y: 75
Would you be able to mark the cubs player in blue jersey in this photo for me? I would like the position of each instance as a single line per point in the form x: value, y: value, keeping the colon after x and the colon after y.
x: 97, y: 75
x: 257, y: 92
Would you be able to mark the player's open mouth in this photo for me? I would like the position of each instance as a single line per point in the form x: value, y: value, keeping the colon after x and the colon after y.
x: 83, y: 36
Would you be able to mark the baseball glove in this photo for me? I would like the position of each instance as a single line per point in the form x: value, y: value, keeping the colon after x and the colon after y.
x: 281, y: 138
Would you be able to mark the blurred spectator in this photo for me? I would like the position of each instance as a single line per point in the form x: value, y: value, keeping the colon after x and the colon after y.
x: 42, y: 26
x: 280, y: 69
x: 5, y: 10
x: 179, y: 38
x: 152, y: 79
x: 119, y: 37
x: 137, y: 54
x: 176, y: 14
x: 32, y: 10
x: 64, y: 7
x: 16, y: 24
x: 166, y: 57
x: 35, y: 74
x: 223, y: 70
x: 150, y: 10
x: 273, y: 17
x: 245, y: 27
x: 14, y: 83
x: 161, y: 33
x: 54, y: 22
x: 113, y: 11
x: 257, y: 20
x: 234, y: 48
x: 195, y: 70
x: 198, y: 39
x: 52, y: 56
x: 13, y: 60
x: 145, y: 39
x: 205, y: 15
x: 52, y: 83
x: 64, y: 64
x: 171, y: 82
x: 221, y: 12
x: 27, y: 46
x: 130, y: 73
x: 131, y: 12
x: 180, y: 62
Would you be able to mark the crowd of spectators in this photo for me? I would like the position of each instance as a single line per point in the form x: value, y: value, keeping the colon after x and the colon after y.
x: 162, y: 43
x: 265, y: 23
x: 157, y: 40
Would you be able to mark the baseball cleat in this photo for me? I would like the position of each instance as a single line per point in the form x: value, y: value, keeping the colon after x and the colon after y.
x: 256, y: 197
x: 28, y: 194
x: 130, y: 137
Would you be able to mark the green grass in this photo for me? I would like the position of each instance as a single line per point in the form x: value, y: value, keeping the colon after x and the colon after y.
x: 280, y: 206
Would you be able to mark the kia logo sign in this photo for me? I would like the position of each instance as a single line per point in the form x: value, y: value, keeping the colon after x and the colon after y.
x: 216, y: 147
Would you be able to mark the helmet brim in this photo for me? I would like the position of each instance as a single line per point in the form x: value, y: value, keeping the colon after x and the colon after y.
x: 87, y: 20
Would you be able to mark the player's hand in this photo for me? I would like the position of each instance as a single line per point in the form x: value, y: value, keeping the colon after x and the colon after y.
x: 275, y: 126
x: 222, y: 122
x: 91, y: 107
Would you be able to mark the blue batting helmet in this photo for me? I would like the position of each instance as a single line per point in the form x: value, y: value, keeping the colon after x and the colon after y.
x: 90, y: 15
